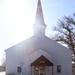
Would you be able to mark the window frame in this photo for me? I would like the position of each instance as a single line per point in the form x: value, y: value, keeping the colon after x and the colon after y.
x: 58, y: 68
x: 19, y: 69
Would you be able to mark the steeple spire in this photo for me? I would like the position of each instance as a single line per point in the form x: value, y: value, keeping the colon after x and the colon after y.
x: 39, y: 25
x: 39, y: 14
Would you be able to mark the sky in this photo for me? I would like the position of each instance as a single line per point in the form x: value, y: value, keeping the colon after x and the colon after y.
x: 17, y: 18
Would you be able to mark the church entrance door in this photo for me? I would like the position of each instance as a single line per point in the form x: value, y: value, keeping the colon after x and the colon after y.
x: 39, y: 70
x: 39, y: 66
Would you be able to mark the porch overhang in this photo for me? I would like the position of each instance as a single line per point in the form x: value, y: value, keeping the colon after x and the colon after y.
x: 42, y: 61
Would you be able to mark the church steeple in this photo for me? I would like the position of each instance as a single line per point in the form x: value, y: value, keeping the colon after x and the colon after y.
x: 39, y: 25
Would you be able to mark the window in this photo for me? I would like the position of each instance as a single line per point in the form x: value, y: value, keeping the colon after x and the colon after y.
x: 58, y: 68
x: 19, y: 69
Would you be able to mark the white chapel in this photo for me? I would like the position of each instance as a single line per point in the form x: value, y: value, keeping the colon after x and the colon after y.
x: 38, y: 55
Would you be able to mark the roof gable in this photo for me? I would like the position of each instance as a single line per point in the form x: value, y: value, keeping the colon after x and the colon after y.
x: 42, y: 61
x: 39, y: 42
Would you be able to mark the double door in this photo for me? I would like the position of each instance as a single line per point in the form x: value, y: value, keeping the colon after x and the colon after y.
x: 39, y: 70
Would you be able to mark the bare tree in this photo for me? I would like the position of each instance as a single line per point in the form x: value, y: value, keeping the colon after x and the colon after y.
x: 65, y: 33
x: 3, y: 65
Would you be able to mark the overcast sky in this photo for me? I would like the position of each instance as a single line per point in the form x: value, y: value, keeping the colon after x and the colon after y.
x: 17, y: 18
